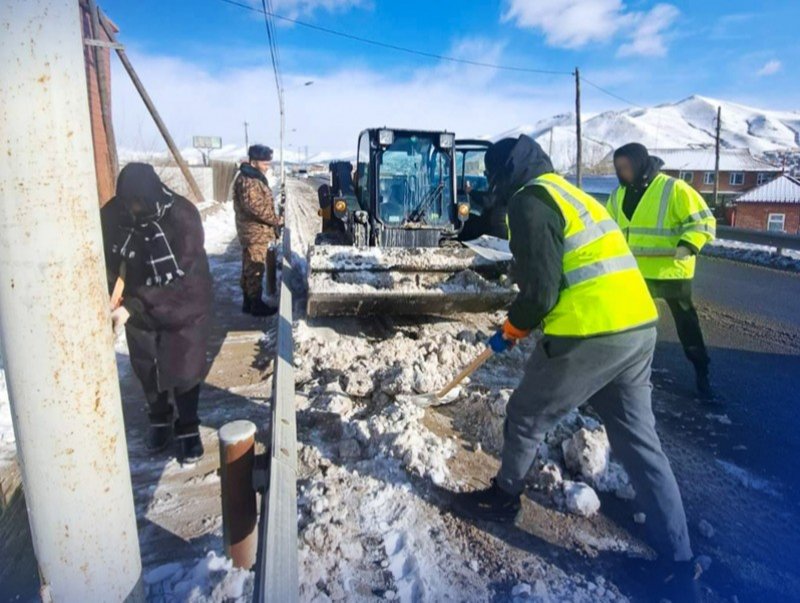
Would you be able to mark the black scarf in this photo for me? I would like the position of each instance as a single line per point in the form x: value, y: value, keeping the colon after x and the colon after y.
x: 146, y: 201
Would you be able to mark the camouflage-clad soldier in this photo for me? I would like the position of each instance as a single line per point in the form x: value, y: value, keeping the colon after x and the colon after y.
x: 257, y: 225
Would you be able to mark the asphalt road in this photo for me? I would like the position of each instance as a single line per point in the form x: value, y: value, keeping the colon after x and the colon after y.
x: 751, y: 321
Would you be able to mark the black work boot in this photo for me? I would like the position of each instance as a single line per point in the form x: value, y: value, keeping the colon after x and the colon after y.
x: 705, y: 391
x: 491, y: 504
x: 159, y: 436
x: 190, y: 448
x: 259, y: 308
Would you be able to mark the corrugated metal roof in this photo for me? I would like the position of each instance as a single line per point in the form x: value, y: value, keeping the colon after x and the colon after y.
x: 783, y: 189
x: 702, y: 160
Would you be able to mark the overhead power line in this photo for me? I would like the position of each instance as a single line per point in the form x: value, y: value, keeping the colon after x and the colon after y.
x: 389, y: 46
x: 612, y: 94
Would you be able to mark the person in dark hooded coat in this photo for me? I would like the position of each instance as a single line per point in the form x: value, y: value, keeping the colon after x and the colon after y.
x: 166, y: 305
x: 579, y: 280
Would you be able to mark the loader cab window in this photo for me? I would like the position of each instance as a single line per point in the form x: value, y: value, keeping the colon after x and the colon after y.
x: 362, y: 172
x: 415, y: 182
x: 470, y: 171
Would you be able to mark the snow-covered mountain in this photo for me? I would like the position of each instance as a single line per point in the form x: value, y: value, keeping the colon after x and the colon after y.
x: 688, y: 123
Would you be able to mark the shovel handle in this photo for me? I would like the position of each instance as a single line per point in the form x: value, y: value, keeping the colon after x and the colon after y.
x: 119, y: 287
x: 466, y: 372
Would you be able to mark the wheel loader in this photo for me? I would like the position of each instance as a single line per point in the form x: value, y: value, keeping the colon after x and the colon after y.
x: 390, y: 234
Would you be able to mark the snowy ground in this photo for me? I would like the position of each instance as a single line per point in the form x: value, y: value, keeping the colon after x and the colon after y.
x: 7, y: 446
x: 376, y: 469
x: 754, y: 254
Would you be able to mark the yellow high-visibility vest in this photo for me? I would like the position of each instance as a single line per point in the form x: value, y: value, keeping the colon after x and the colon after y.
x: 670, y: 211
x: 602, y: 290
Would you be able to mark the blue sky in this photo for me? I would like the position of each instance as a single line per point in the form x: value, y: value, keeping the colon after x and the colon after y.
x: 206, y: 63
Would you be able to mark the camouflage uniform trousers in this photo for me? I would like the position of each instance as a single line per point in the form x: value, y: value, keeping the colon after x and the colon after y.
x: 254, y: 258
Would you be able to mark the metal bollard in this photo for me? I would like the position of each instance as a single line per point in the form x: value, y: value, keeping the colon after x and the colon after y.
x: 239, y: 511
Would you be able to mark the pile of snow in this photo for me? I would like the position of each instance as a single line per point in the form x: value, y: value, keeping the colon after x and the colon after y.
x: 750, y: 253
x: 572, y: 463
x: 7, y: 441
x: 212, y: 579
x: 220, y: 229
x: 363, y: 391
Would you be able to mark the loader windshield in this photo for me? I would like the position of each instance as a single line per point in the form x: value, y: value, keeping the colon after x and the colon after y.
x: 415, y: 182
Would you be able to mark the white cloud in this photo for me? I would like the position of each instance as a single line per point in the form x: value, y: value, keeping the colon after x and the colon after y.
x: 770, y: 68
x: 328, y: 115
x: 577, y: 23
x: 648, y: 35
x: 295, y: 8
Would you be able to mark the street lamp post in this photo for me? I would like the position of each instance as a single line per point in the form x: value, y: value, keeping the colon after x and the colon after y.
x: 282, y: 109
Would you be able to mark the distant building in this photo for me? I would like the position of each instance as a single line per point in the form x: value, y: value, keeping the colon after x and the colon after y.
x: 774, y: 206
x: 739, y: 171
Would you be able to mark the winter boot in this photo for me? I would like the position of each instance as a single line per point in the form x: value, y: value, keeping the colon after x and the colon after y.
x: 491, y: 504
x: 158, y: 437
x: 705, y: 390
x: 259, y: 308
x: 190, y: 448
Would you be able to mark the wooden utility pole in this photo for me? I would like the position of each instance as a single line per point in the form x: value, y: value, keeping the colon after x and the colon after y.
x: 579, y: 155
x: 104, y: 90
x: 716, y: 157
x: 176, y: 154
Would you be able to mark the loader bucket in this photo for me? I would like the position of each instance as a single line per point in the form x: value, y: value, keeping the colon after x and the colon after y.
x: 347, y: 281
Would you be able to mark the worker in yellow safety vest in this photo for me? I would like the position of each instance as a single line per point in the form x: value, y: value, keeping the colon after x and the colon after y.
x: 580, y: 283
x: 666, y: 223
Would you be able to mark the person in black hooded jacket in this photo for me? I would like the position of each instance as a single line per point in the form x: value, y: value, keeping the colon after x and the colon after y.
x: 166, y: 305
x: 578, y: 278
x: 538, y: 249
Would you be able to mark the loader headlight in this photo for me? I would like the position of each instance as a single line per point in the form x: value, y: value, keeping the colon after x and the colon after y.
x: 385, y: 137
x: 340, y: 207
x: 446, y: 141
x: 463, y: 211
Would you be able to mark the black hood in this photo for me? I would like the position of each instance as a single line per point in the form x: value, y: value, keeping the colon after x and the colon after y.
x: 511, y: 163
x: 645, y: 166
x: 141, y: 192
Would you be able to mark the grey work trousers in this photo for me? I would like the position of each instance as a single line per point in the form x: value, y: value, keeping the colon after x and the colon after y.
x: 612, y: 373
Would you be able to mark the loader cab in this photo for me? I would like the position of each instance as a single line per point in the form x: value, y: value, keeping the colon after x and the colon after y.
x: 406, y: 187
x: 487, y: 216
x: 472, y: 184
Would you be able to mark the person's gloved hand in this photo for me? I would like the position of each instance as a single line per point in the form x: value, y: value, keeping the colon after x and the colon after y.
x: 506, y: 337
x: 682, y: 252
x: 119, y: 317
x: 499, y: 343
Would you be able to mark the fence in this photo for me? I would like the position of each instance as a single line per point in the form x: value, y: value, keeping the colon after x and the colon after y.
x: 276, y: 567
x: 779, y: 240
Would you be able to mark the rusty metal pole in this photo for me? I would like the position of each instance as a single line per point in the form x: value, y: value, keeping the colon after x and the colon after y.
x: 239, y: 514
x: 55, y: 327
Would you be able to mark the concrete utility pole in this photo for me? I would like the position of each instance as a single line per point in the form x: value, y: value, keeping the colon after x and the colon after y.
x: 716, y: 157
x: 579, y: 156
x: 55, y: 330
x: 246, y: 138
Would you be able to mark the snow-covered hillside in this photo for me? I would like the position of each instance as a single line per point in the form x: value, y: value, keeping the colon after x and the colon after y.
x: 688, y: 123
